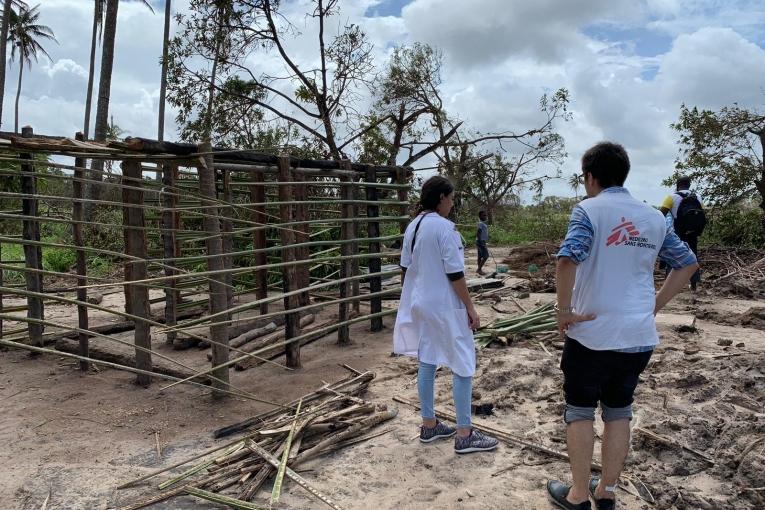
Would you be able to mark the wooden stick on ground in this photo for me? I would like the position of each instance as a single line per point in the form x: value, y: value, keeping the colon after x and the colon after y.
x: 293, y: 476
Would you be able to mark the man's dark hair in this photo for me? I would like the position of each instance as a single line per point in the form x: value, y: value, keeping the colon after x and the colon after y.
x: 608, y: 163
x: 481, y: 214
x: 683, y: 183
x: 432, y: 190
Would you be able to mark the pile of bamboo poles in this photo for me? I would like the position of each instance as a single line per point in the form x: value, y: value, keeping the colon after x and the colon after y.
x: 233, y: 474
x: 540, y: 319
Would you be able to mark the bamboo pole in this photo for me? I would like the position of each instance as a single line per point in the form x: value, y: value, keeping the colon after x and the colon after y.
x: 249, y: 306
x: 31, y: 232
x: 403, y: 196
x: 218, y: 332
x: 82, y: 267
x: 317, y: 333
x: 356, y: 234
x: 42, y: 350
x: 289, y: 275
x: 136, y: 296
x: 373, y: 231
x: 258, y: 194
x: 169, y: 243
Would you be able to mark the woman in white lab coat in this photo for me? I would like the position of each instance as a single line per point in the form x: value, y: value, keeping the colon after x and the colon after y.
x: 436, y: 316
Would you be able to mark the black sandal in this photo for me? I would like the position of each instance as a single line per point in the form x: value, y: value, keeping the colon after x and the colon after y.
x: 557, y: 491
x: 605, y: 503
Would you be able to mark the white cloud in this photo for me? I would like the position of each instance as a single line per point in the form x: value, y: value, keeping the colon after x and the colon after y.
x: 501, y: 56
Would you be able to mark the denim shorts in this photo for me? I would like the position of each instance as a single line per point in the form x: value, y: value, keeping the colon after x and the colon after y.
x: 609, y: 377
x: 483, y: 251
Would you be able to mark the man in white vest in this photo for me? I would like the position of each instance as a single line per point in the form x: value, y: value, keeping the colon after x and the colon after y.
x: 606, y: 308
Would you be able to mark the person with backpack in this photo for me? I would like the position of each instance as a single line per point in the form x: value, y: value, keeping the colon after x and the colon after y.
x: 436, y: 316
x: 688, y: 218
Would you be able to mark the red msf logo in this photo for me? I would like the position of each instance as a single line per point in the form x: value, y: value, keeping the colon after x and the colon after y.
x: 622, y: 232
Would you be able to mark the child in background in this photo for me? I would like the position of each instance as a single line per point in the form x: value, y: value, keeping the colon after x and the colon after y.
x: 481, y: 238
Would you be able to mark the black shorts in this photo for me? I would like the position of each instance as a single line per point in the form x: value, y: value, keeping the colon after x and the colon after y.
x: 483, y: 251
x: 592, y: 376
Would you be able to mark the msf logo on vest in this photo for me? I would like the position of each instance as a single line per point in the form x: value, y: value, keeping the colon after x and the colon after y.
x: 625, y: 234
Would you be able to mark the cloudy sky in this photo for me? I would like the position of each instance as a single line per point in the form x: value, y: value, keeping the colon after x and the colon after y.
x: 629, y: 65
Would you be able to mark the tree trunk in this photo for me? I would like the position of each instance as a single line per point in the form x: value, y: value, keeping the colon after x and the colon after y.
x: 102, y: 107
x: 4, y: 51
x: 163, y: 80
x: 92, y: 69
x: 18, y: 93
x: 761, y: 184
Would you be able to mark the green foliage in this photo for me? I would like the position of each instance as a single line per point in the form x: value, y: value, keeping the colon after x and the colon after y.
x: 546, y: 221
x: 722, y: 152
x: 105, y: 237
x: 734, y: 226
x: 59, y: 260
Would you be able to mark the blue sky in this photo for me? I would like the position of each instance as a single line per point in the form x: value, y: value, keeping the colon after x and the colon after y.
x: 628, y: 64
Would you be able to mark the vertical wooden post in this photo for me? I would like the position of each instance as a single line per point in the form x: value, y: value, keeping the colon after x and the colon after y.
x: 228, y: 240
x: 136, y: 295
x: 214, y: 245
x: 2, y: 284
x: 375, y: 264
x: 78, y: 186
x: 289, y: 273
x: 32, y: 254
x: 346, y: 265
x: 302, y: 236
x: 169, y: 201
x: 353, y: 194
x: 403, y: 196
x: 258, y: 196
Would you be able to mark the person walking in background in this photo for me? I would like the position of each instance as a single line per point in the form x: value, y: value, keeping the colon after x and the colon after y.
x: 606, y: 311
x: 688, y: 216
x: 436, y: 316
x: 481, y: 240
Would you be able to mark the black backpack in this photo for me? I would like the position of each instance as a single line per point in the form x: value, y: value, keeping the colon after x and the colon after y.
x: 690, y: 219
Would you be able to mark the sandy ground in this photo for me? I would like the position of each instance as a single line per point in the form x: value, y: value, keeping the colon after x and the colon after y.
x: 75, y: 437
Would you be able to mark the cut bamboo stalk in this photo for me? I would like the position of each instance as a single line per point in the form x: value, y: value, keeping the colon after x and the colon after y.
x: 136, y: 296
x: 302, y: 482
x: 277, y: 489
x: 31, y: 232
x: 237, y: 504
x: 82, y: 267
x: 289, y: 275
x: 361, y: 381
x: 217, y: 292
x: 373, y: 231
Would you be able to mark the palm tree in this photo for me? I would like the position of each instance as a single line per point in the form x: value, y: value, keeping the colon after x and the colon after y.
x: 25, y: 34
x: 108, y: 32
x: 163, y: 80
x: 98, y: 20
x: 104, y: 92
x: 7, y: 6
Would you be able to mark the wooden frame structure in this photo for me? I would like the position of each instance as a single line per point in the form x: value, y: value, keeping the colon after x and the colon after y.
x: 209, y: 227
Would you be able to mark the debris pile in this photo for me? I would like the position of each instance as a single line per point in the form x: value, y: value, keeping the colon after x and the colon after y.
x: 275, y: 444
x: 734, y: 272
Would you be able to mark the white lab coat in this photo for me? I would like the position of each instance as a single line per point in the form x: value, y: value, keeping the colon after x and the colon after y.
x: 432, y: 322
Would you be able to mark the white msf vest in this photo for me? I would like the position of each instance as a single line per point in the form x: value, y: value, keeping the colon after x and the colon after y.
x: 616, y: 281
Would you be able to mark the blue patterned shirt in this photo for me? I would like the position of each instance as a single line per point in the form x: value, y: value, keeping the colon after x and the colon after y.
x: 578, y: 243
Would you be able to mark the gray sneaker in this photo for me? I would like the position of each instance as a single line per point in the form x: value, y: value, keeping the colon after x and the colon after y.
x: 440, y: 431
x: 475, y: 442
